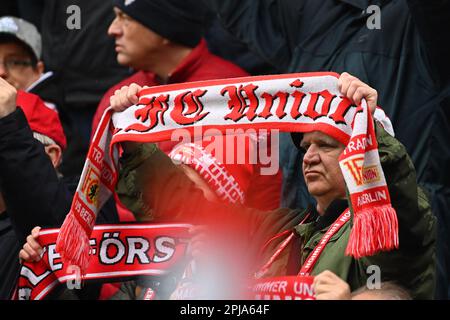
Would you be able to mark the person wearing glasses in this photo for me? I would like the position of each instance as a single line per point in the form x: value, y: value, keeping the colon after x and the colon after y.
x: 20, y: 54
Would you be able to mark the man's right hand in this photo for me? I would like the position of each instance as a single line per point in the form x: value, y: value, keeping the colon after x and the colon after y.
x: 122, y: 99
x: 32, y: 250
x: 125, y: 97
x: 7, y: 98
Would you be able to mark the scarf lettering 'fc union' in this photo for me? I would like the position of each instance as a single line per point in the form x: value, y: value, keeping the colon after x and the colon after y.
x: 301, y: 102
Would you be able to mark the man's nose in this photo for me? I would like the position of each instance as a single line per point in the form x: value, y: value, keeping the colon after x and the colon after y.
x: 114, y: 30
x: 3, y: 71
x: 311, y: 156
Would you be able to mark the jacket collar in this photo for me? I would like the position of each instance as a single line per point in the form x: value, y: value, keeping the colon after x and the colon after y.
x: 317, y: 222
x: 333, y: 212
x: 189, y: 64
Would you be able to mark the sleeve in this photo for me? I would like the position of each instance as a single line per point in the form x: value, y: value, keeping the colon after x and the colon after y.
x: 432, y: 20
x: 33, y: 194
x: 417, y: 225
x: 268, y: 27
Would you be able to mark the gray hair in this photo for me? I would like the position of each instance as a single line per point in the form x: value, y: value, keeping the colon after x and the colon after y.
x: 389, y: 290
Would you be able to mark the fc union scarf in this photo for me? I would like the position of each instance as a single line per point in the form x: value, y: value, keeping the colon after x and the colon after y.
x: 301, y: 102
x: 117, y: 251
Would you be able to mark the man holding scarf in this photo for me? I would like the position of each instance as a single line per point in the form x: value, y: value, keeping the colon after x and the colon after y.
x: 292, y: 238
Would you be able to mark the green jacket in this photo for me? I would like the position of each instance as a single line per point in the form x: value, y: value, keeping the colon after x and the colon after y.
x: 170, y: 196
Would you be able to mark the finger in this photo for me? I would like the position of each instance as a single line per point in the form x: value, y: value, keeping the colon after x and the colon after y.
x: 344, y: 82
x: 31, y: 252
x: 354, y: 85
x: 132, y: 93
x: 35, y: 232
x: 321, y: 282
x: 324, y: 288
x: 34, y: 255
x: 327, y: 274
x: 118, y: 100
x: 24, y: 256
x: 372, y: 100
x: 123, y: 99
x: 112, y: 102
x: 33, y: 243
x: 342, y: 78
x: 360, y: 93
x: 369, y: 94
x: 326, y: 278
x: 127, y: 94
x: 323, y: 276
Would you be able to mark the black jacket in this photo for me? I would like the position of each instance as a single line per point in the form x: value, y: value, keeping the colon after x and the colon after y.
x: 33, y: 194
x: 406, y: 61
x: 84, y: 58
x: 85, y: 64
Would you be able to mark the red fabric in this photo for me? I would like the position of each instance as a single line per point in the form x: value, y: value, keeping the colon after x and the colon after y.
x: 262, y: 192
x: 41, y: 118
x: 108, y: 290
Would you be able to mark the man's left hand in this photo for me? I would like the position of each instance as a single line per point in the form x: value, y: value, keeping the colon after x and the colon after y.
x: 355, y: 90
x: 329, y: 286
x: 7, y: 98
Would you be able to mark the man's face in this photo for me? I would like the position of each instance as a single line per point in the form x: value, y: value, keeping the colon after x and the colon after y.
x: 16, y: 66
x: 321, y: 169
x: 136, y: 45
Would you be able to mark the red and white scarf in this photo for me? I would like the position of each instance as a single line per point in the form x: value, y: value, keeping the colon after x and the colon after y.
x: 301, y: 102
x: 117, y: 252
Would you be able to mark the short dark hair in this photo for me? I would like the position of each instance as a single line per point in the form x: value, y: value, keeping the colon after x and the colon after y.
x: 6, y: 38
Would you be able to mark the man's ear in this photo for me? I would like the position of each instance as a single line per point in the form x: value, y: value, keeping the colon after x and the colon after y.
x: 40, y: 67
x: 55, y: 153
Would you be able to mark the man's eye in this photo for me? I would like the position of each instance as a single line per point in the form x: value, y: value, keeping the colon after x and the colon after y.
x: 304, y: 147
x: 326, y: 146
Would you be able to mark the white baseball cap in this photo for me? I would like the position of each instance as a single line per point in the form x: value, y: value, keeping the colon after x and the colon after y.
x: 23, y: 31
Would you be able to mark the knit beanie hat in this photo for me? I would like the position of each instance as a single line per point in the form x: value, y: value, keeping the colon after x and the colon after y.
x: 181, y: 21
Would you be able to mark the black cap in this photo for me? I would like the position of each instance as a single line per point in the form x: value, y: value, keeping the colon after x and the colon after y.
x: 181, y: 21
